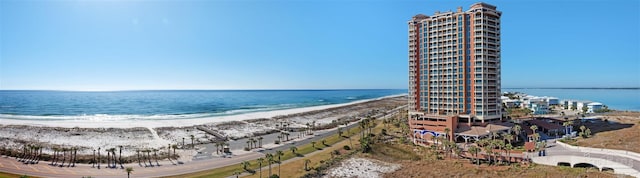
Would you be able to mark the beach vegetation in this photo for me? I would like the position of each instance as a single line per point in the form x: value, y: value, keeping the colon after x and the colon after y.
x: 129, y: 170
x: 260, y: 161
x: 192, y: 143
x: 245, y: 165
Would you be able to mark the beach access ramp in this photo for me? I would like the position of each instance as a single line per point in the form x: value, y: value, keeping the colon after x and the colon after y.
x: 211, y: 132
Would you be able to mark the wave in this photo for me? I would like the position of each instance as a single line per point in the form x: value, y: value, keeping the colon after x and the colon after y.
x: 133, y: 117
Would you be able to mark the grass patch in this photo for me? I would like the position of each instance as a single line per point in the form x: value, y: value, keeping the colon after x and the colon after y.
x: 9, y: 175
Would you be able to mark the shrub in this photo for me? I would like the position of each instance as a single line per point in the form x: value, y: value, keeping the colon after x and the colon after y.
x: 346, y: 147
x: 246, y: 149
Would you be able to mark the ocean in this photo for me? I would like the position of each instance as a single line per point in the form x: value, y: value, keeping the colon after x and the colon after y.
x: 166, y: 105
x: 618, y: 99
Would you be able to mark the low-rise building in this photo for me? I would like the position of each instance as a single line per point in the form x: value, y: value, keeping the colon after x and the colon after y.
x: 570, y: 104
x: 552, y: 101
x: 593, y: 107
x: 582, y: 104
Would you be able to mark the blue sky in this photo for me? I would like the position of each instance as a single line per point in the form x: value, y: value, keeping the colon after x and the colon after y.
x: 290, y: 44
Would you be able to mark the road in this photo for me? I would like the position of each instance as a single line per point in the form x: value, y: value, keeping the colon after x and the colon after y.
x: 319, y: 135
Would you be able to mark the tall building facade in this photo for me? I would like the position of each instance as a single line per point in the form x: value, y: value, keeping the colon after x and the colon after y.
x: 454, y: 66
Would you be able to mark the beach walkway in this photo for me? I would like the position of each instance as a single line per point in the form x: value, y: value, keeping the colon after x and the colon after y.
x: 621, y: 162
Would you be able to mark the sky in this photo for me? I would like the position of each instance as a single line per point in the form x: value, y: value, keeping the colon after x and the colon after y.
x: 296, y: 44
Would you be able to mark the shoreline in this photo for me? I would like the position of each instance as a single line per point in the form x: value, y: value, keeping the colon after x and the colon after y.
x: 181, y: 122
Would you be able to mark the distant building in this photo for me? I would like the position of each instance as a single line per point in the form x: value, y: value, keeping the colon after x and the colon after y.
x: 509, y: 103
x: 552, y: 101
x: 582, y: 104
x: 539, y: 107
x: 593, y: 107
x: 569, y: 104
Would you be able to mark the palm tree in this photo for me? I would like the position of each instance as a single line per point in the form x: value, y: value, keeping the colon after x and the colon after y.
x: 99, y: 159
x: 64, y: 157
x: 74, y: 151
x: 249, y: 144
x: 270, y: 160
x: 293, y: 149
x: 500, y: 144
x: 149, y: 156
x: 138, y: 155
x: 254, y: 143
x: 155, y: 155
x: 174, y: 146
x: 40, y: 154
x: 55, y: 153
x: 279, y: 153
x: 534, y: 128
x: 488, y: 149
x: 446, y: 132
x: 435, y: 142
x: 508, y: 148
x: 474, y: 151
x: 517, y: 129
x: 120, y: 160
x: 245, y: 165
x: 536, y: 137
x: 508, y: 137
x: 260, y: 160
x: 94, y: 159
x: 324, y: 141
x: 192, y: 138
x: 113, y: 154
x: 129, y: 170
x: 339, y: 131
x: 313, y: 144
x: 363, y: 125
x: 306, y: 164
x: 183, y: 143
x: 313, y: 126
x: 260, y: 141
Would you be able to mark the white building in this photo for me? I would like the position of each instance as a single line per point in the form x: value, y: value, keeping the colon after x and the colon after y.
x: 551, y: 100
x: 581, y: 104
x: 593, y: 107
x: 568, y: 104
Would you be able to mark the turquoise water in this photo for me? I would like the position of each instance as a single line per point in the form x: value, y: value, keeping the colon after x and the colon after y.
x: 160, y: 105
x: 619, y: 99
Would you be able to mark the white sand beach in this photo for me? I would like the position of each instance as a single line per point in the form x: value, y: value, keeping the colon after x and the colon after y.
x: 362, y: 168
